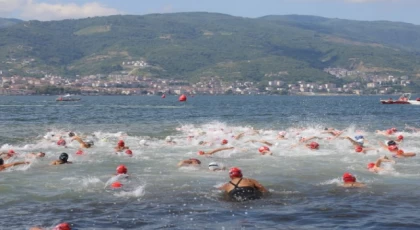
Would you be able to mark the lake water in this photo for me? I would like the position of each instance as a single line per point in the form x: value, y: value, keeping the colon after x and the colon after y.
x: 303, y: 184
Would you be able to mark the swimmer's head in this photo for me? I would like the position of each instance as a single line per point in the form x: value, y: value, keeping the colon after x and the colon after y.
x: 394, y: 129
x: 11, y: 153
x: 61, y: 142
x: 121, y: 143
x: 168, y: 139
x: 358, y: 137
x: 63, y: 226
x: 201, y: 153
x: 361, y: 141
x: 263, y: 149
x: 142, y: 142
x: 1, y: 161
x: 129, y: 152
x: 389, y: 143
x: 235, y: 173
x: 90, y: 142
x: 358, y: 149
x: 282, y: 133
x: 201, y: 143
x: 64, y: 157
x: 392, y: 148
x: 195, y: 161
x: 71, y: 134
x: 314, y: 145
x: 40, y: 154
x: 213, y: 166
x: 400, y: 152
x: 79, y: 152
x: 224, y: 142
x: 400, y: 137
x: 121, y: 169
x: 348, y: 178
x: 371, y: 165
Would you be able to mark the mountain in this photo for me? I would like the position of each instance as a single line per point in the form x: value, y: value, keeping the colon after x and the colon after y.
x: 5, y: 22
x: 194, y: 45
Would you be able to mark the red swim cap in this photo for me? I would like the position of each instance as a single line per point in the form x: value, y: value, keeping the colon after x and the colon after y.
x: 400, y: 137
x: 224, y: 141
x: 347, y: 177
x: 121, y: 143
x: 11, y: 151
x: 314, y: 145
x: 235, y: 172
x: 400, y: 152
x: 121, y: 169
x: 61, y: 142
x: 201, y: 153
x: 392, y: 148
x: 371, y: 165
x: 63, y: 226
x: 358, y: 149
x: 129, y: 152
x: 79, y: 152
x: 263, y: 149
x: 116, y: 184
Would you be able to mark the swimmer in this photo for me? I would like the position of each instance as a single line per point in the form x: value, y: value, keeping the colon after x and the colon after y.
x: 281, y: 135
x: 191, y: 161
x: 401, y: 154
x: 350, y: 181
x: 62, y: 226
x: 143, y: 143
x: 8, y: 154
x: 361, y: 149
x: 387, y: 132
x: 303, y: 140
x: 312, y: 146
x: 204, y: 143
x: 214, y: 166
x: 35, y: 155
x: 376, y: 167
x: 397, y: 153
x: 121, y: 169
x: 4, y: 166
x: 412, y: 128
x: 120, y: 146
x: 169, y: 140
x: 265, y: 150
x: 399, y: 139
x: 83, y: 144
x: 358, y: 140
x: 224, y: 142
x: 61, y: 142
x: 214, y: 151
x: 242, y: 189
x: 332, y: 131
x: 62, y: 160
x: 260, y: 141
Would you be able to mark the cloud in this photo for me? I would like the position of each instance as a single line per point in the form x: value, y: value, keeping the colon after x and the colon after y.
x: 7, y: 6
x: 30, y: 9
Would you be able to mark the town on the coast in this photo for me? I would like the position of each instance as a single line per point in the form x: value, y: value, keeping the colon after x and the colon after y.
x: 125, y: 83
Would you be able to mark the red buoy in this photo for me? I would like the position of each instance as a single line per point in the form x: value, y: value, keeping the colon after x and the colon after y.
x: 163, y: 95
x: 183, y: 97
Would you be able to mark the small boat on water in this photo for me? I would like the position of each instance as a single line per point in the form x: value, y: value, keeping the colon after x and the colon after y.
x: 403, y: 99
x: 67, y: 97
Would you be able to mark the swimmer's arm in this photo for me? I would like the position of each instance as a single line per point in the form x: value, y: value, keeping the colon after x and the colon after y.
x: 224, y: 187
x: 14, y: 164
x: 181, y: 163
x: 259, y: 186
x: 218, y: 150
x: 239, y: 136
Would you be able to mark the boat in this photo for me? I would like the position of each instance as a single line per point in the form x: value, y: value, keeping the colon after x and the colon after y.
x: 67, y: 97
x: 405, y: 98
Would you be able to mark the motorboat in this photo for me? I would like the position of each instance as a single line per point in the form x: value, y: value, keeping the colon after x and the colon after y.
x: 67, y: 97
x: 403, y: 99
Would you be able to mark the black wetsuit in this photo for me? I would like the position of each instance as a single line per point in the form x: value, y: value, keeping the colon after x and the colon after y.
x: 244, y: 193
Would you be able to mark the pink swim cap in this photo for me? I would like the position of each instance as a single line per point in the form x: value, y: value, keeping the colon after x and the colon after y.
x: 129, y: 152
x: 392, y: 148
x: 263, y: 149
x: 400, y: 137
x: 371, y: 165
x: 358, y: 149
x: 201, y: 153
x: 79, y: 152
x: 314, y: 145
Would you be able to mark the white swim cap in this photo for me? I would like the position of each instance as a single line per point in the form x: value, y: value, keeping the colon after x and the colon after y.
x: 214, y: 166
x: 142, y: 142
x: 168, y: 138
x: 90, y: 142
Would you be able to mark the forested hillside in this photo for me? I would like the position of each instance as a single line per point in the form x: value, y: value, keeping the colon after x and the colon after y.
x: 194, y: 45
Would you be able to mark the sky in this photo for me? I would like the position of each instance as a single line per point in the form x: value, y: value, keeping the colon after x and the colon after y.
x: 365, y: 10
